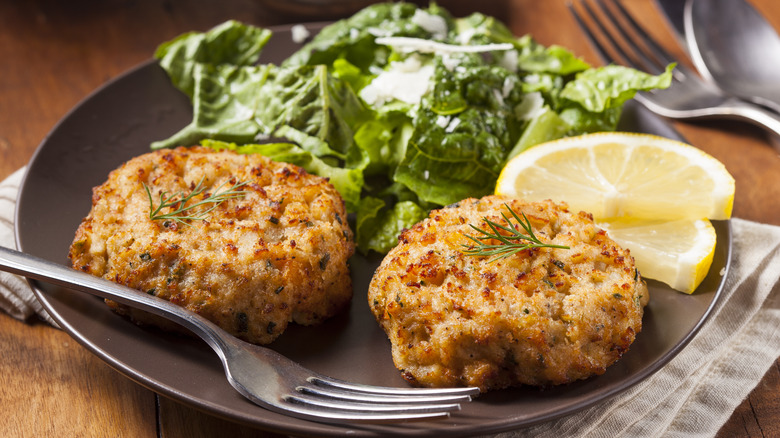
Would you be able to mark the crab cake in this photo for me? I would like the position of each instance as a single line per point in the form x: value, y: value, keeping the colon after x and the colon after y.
x: 276, y: 252
x: 543, y: 316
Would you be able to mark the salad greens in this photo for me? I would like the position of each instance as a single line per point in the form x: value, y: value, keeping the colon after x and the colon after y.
x: 403, y: 108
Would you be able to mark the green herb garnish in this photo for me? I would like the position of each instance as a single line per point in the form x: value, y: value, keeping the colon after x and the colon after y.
x: 181, y: 212
x: 511, y: 243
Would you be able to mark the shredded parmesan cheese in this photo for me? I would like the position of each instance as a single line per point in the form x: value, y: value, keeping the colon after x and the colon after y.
x: 433, y: 24
x: 405, y: 44
x: 531, y: 106
x: 406, y: 81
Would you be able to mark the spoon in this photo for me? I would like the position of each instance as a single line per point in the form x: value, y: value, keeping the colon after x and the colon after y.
x: 733, y: 46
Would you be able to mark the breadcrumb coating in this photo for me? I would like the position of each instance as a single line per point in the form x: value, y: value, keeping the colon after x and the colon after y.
x: 274, y: 255
x: 543, y: 316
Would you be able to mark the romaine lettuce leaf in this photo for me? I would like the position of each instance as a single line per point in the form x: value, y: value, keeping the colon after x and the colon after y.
x: 377, y: 226
x: 352, y: 39
x: 444, y: 167
x: 348, y: 182
x: 593, y: 101
x: 241, y: 103
x: 536, y: 58
x: 478, y: 28
x: 350, y: 74
x: 600, y: 89
x: 543, y: 127
x: 230, y: 43
x: 394, y: 159
x: 310, y: 100
x: 224, y: 104
x: 384, y: 142
x: 458, y: 152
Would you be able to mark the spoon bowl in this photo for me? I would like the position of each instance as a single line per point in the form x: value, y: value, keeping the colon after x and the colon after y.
x: 734, y: 46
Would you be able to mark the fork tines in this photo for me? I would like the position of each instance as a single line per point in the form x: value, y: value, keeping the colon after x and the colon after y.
x: 618, y: 38
x: 365, y: 403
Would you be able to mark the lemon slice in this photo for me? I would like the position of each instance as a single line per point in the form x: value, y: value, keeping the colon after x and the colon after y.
x: 652, y: 194
x: 622, y: 174
x: 678, y: 253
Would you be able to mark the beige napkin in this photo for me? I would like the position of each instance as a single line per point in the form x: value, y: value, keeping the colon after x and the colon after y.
x: 693, y: 395
x: 16, y: 297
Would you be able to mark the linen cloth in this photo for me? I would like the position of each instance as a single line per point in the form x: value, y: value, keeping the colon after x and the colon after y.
x: 693, y: 395
x: 16, y: 297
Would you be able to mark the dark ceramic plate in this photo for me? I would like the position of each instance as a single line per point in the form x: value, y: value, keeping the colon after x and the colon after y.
x: 119, y: 121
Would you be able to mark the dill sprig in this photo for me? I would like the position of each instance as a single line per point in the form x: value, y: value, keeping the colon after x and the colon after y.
x: 181, y: 212
x: 511, y: 241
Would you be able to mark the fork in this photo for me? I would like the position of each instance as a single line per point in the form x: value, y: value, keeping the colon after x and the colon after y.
x: 260, y: 374
x: 689, y: 97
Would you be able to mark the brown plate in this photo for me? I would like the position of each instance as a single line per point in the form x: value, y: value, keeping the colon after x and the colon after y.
x: 119, y: 121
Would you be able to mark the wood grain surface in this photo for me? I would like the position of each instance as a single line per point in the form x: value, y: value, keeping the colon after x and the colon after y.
x: 54, y: 54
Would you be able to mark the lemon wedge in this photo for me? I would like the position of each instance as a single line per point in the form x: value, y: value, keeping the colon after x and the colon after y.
x: 678, y: 252
x: 653, y: 195
x: 622, y: 175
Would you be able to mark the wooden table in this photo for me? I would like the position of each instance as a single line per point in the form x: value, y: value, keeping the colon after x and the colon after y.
x: 55, y: 53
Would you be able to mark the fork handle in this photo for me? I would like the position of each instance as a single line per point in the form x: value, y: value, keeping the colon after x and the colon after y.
x: 36, y: 268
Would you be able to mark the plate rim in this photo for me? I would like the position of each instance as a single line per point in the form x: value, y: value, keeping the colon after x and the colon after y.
x: 268, y: 421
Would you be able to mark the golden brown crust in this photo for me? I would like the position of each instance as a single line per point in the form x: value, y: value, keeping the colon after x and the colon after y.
x: 541, y: 317
x: 275, y: 255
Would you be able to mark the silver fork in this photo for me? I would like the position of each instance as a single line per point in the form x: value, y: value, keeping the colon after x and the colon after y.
x: 260, y: 374
x: 689, y: 97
